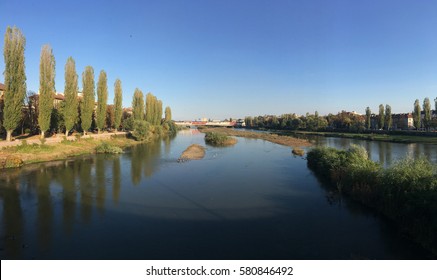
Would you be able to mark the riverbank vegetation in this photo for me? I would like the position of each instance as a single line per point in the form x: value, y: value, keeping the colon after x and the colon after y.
x: 30, y: 153
x: 284, y: 140
x: 405, y: 192
x: 219, y: 139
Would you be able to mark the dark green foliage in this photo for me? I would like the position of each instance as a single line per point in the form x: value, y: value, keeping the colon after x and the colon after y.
x: 368, y: 115
x: 216, y: 139
x: 405, y: 192
x: 70, y: 112
x: 15, y: 79
x: 138, y: 105
x: 128, y: 123
x: 381, y: 118
x: 87, y: 103
x: 141, y: 130
x: 388, y: 117
x: 416, y: 114
x: 46, y: 88
x: 102, y: 100
x: 118, y: 100
x: 427, y: 113
x: 169, y: 127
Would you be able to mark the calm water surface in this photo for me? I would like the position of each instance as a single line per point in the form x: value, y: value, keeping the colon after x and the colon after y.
x: 250, y: 201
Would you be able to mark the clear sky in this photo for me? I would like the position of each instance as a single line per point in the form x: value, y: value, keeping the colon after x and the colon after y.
x: 234, y: 58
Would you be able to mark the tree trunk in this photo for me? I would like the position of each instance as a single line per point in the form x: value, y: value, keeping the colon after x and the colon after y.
x: 42, y: 135
x: 66, y: 132
x: 9, y: 135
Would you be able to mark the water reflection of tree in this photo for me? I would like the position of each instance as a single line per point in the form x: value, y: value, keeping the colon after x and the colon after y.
x: 66, y: 177
x: 12, y: 220
x: 116, y: 179
x: 86, y: 190
x: 100, y: 180
x: 381, y: 152
x: 145, y: 158
x: 167, y: 143
x: 44, y: 208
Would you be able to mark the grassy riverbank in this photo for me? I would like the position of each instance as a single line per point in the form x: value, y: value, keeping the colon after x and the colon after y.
x: 405, y: 192
x: 396, y: 138
x: 30, y: 153
x: 274, y: 138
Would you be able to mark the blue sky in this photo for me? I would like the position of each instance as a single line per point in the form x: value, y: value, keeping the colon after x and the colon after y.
x: 234, y: 58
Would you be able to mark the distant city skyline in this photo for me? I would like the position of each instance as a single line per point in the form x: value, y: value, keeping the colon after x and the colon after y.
x: 223, y: 59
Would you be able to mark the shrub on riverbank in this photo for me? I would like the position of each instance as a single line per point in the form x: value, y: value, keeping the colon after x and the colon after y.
x: 141, y: 130
x: 405, y: 192
x: 106, y: 148
x: 219, y: 139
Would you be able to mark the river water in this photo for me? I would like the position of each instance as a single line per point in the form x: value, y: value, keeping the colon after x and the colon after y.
x: 250, y: 201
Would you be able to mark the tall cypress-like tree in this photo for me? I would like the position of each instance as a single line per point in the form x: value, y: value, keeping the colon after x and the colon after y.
x: 368, y: 115
x: 158, y: 117
x: 15, y: 79
x: 138, y: 105
x: 381, y: 118
x: 102, y: 100
x: 46, y: 88
x: 427, y: 113
x: 118, y: 99
x: 150, y: 108
x: 167, y: 114
x: 388, y: 117
x: 88, y: 99
x: 70, y: 111
x: 416, y: 114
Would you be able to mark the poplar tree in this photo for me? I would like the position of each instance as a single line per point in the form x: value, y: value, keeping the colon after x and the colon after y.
x: 158, y: 117
x: 138, y: 105
x: 118, y: 99
x: 427, y: 113
x: 167, y: 114
x: 388, y: 117
x: 15, y: 79
x: 416, y: 114
x: 70, y: 112
x: 150, y: 108
x: 102, y: 100
x: 381, y: 116
x: 87, y: 104
x: 368, y: 115
x: 46, y: 88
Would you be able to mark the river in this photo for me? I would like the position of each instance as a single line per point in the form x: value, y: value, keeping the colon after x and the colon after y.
x: 250, y: 201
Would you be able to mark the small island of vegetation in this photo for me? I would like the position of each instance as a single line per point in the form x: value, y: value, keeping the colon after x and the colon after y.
x: 219, y: 139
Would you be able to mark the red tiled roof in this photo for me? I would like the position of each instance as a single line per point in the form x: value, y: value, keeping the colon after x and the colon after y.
x: 2, y: 86
x: 59, y: 96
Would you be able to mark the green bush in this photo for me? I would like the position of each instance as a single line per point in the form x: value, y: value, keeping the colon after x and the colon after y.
x: 405, y: 192
x: 106, y: 148
x: 216, y: 139
x: 128, y: 124
x: 142, y: 130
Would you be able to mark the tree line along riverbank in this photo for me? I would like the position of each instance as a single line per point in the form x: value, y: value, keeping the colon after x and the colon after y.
x: 405, y: 192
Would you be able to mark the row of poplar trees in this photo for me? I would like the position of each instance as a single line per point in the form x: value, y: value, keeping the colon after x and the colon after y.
x: 151, y: 111
x: 75, y: 110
